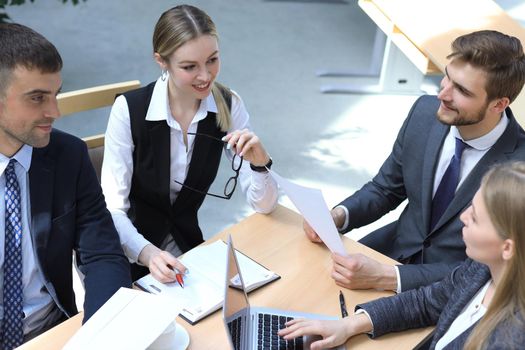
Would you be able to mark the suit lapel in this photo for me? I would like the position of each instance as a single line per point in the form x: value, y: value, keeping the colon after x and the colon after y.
x: 460, y: 298
x: 497, y: 154
x: 433, y: 148
x: 41, y: 174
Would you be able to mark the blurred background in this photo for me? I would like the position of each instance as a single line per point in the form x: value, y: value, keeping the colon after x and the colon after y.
x: 271, y: 51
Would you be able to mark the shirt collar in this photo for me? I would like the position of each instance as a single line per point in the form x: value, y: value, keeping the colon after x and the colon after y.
x: 159, y: 108
x: 23, y: 157
x: 488, y: 140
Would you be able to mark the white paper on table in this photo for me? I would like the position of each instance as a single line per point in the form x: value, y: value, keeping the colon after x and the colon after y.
x: 311, y: 204
x: 129, y: 320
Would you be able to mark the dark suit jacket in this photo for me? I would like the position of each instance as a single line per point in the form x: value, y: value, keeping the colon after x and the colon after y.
x: 440, y: 304
x: 408, y: 172
x: 68, y: 212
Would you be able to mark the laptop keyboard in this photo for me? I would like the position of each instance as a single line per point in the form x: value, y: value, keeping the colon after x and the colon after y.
x: 267, y: 337
x: 235, y: 331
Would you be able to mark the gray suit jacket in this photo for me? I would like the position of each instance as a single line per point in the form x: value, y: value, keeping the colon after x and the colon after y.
x: 440, y: 304
x: 409, y: 173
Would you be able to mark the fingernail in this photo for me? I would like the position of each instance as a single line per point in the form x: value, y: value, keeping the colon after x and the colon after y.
x: 223, y: 138
x: 228, y: 146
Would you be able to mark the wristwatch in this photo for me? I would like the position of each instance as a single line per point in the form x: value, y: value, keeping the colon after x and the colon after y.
x: 262, y: 169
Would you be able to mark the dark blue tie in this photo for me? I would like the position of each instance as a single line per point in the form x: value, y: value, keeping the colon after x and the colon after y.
x: 12, y: 330
x: 447, y: 186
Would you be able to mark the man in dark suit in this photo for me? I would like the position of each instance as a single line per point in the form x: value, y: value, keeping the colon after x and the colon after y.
x: 50, y: 199
x: 466, y: 129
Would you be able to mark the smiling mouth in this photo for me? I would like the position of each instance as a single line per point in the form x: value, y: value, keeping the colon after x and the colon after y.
x: 450, y: 108
x: 202, y: 86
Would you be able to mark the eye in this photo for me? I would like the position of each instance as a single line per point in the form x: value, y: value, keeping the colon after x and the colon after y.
x: 213, y: 60
x: 188, y: 68
x: 463, y: 91
x: 38, y: 98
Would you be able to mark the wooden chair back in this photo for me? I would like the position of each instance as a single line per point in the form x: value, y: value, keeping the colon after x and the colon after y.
x: 93, y: 98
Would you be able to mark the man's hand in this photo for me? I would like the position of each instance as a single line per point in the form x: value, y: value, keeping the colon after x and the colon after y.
x: 310, y: 233
x: 161, y: 263
x: 338, y: 215
x: 357, y: 271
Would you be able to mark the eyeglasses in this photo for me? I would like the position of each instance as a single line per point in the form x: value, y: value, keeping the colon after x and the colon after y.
x: 229, y: 188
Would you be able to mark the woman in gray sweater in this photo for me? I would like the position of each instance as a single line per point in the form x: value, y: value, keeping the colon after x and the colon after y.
x: 481, y: 305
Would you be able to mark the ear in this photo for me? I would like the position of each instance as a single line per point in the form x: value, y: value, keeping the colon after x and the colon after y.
x: 508, y: 249
x: 499, y: 104
x: 160, y: 61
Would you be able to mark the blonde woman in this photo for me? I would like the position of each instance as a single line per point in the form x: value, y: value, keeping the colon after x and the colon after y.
x: 481, y: 305
x: 164, y: 143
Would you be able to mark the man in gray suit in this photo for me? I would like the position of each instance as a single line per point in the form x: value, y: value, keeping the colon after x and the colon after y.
x: 464, y: 130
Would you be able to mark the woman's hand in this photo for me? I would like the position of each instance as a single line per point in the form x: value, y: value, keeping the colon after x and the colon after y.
x: 334, y: 332
x: 161, y: 263
x: 247, y: 145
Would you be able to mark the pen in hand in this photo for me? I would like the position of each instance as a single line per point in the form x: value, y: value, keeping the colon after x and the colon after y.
x: 178, y: 275
x: 342, y: 304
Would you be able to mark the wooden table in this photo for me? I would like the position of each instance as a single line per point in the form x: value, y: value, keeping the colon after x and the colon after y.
x: 277, y: 241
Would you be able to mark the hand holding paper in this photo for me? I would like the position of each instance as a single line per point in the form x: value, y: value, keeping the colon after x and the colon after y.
x: 310, y: 202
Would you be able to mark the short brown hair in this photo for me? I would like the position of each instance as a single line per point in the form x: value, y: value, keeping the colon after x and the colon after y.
x: 22, y: 46
x: 499, y: 55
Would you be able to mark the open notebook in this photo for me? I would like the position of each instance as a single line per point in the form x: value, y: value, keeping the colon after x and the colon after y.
x: 203, y: 291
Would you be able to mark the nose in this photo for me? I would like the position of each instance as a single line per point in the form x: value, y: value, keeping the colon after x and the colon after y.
x: 465, y: 215
x: 445, y: 88
x: 204, y: 74
x: 52, y: 110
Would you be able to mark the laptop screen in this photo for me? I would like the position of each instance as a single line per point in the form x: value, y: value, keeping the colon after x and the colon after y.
x: 236, y: 307
x: 235, y: 298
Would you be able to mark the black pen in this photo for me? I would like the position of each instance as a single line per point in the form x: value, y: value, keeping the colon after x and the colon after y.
x: 342, y: 303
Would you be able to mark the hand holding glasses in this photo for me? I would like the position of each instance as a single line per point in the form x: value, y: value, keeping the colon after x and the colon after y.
x: 230, y: 186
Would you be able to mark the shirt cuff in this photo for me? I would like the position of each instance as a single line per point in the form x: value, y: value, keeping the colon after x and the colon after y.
x: 260, y: 179
x: 398, y: 290
x: 131, y: 240
x: 342, y: 229
x: 262, y: 193
x: 363, y: 311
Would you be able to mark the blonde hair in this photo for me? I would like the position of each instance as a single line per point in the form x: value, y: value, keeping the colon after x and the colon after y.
x: 176, y: 27
x: 503, y: 190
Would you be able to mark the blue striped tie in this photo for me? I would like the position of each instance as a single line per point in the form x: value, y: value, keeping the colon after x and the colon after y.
x: 12, y: 328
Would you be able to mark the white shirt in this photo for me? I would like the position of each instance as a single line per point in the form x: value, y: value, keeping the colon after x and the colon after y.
x: 37, y: 303
x: 471, y: 155
x: 471, y: 314
x: 117, y: 169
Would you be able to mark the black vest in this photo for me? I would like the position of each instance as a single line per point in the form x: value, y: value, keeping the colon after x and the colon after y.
x: 150, y: 209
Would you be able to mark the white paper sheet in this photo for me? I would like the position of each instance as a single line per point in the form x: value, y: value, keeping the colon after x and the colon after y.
x: 130, y: 320
x: 311, y: 204
x: 203, y: 290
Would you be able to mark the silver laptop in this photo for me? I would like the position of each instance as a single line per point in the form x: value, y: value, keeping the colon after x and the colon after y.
x: 251, y: 327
